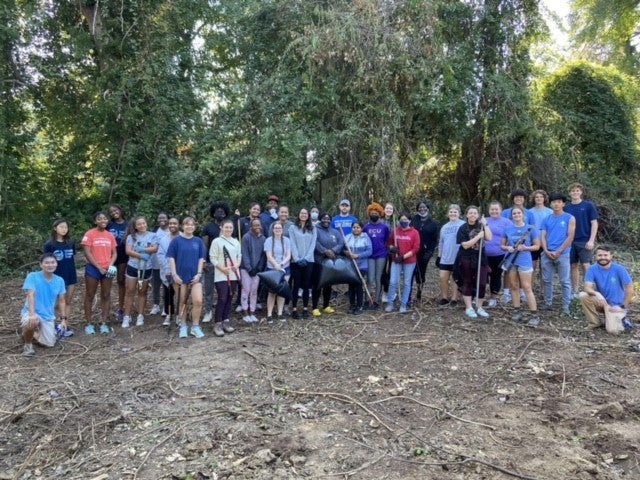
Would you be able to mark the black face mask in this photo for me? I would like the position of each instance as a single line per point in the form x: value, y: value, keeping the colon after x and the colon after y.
x: 220, y: 217
x: 374, y: 218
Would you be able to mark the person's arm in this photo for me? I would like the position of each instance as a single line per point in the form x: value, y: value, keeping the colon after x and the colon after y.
x: 628, y: 295
x: 570, y: 234
x: 92, y: 261
x: 592, y: 237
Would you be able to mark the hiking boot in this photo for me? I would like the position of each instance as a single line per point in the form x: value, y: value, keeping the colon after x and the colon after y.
x: 217, y: 330
x: 282, y: 319
x: 534, y: 321
x: 126, y: 321
x: 197, y: 332
x: 89, y: 329
x: 316, y: 312
x: 207, y: 317
x: 184, y: 331
x: 140, y: 320
x: 27, y: 350
x: 104, y: 329
x: 482, y: 313
x: 471, y: 313
x: 155, y: 310
x: 328, y: 310
x: 226, y: 326
x: 443, y: 302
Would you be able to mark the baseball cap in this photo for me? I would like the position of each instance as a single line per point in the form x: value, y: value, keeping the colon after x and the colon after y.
x: 345, y: 202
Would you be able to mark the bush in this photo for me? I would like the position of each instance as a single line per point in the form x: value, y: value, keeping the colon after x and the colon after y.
x: 20, y: 248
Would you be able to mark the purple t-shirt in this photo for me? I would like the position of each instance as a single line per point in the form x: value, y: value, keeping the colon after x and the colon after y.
x: 379, y: 235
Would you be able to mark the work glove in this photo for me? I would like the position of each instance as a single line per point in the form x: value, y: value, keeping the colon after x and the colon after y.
x: 139, y: 249
x: 393, y: 249
x: 253, y: 272
x: 399, y: 259
x: 111, y: 272
x: 145, y: 257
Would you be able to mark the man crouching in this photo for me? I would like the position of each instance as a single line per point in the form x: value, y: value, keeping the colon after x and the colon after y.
x: 608, y: 288
x: 43, y: 289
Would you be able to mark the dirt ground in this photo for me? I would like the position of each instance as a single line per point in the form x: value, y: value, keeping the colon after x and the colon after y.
x: 426, y: 395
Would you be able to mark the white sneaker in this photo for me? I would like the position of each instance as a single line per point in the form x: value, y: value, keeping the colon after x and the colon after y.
x: 140, y: 320
x: 239, y: 309
x: 164, y: 314
x: 247, y: 319
x: 506, y: 298
x: 207, y: 317
x: 481, y: 312
x: 385, y: 298
x: 167, y: 321
x: 492, y: 303
x: 126, y: 321
x: 254, y: 319
x: 155, y: 310
x: 523, y: 297
x: 471, y: 313
x: 258, y: 306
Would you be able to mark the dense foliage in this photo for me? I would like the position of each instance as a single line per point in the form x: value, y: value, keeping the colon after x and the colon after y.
x: 168, y: 105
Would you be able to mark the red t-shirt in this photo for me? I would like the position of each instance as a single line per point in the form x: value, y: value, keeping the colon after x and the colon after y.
x: 101, y: 244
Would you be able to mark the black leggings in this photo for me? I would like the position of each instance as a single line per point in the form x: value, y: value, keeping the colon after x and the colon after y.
x: 495, y: 273
x: 301, y: 278
x: 169, y: 307
x: 326, y: 291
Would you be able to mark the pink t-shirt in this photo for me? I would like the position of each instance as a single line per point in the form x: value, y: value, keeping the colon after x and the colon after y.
x: 101, y: 243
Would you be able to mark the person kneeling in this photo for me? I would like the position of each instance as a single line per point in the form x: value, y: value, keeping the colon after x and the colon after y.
x: 43, y: 289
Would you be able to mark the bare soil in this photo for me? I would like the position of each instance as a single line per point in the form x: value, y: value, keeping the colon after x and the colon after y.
x: 425, y: 395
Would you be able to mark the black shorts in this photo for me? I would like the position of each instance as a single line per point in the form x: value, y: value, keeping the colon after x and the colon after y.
x: 535, y: 255
x: 445, y: 267
x: 579, y: 254
x: 133, y: 273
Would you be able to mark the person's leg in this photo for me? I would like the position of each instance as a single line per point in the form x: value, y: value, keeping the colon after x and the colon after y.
x: 223, y: 293
x: 547, y: 279
x: 155, y: 288
x: 122, y: 288
x: 495, y: 275
x: 227, y: 309
x: 564, y: 275
x: 68, y: 296
x: 482, y: 291
x: 254, y: 283
x: 419, y: 272
x: 209, y: 280
x: 379, y: 271
x: 307, y: 273
x: 526, y: 282
x: 408, y: 269
x: 315, y: 292
x: 271, y: 301
x: 91, y: 288
x: 511, y: 279
x: 280, y: 303
x: 326, y: 296
x: 359, y: 294
x: 142, y: 299
x: 352, y: 297
x: 130, y: 287
x: 245, y: 278
x: 196, y: 303
x: 575, y: 277
x: 105, y: 299
x: 591, y: 305
x: 394, y: 279
x: 444, y: 276
x: 296, y: 275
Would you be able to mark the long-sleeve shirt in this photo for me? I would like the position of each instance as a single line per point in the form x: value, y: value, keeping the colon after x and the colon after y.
x: 303, y: 243
x: 361, y: 246
x: 408, y: 241
x: 216, y: 255
x: 328, y: 239
x: 253, y: 257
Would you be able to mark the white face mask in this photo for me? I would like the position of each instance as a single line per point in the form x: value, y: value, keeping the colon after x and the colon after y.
x: 314, y: 215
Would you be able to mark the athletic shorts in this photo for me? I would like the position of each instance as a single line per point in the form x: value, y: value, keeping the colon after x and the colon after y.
x: 579, y: 254
x: 520, y: 269
x: 132, y: 272
x: 46, y: 330
x: 93, y: 272
x: 445, y: 267
x: 535, y: 255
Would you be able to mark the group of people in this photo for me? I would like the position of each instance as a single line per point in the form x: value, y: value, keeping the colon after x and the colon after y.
x: 388, y: 255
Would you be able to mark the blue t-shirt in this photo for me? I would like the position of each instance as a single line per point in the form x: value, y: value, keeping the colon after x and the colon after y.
x: 539, y: 214
x: 379, y: 234
x: 610, y: 282
x: 528, y: 216
x: 344, y: 222
x: 186, y: 252
x: 584, y: 212
x: 46, y: 294
x: 513, y: 234
x: 148, y: 239
x: 64, y: 253
x: 557, y: 228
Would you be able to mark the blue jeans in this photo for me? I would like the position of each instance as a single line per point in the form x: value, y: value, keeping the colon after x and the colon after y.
x: 562, y: 267
x: 374, y: 277
x: 407, y: 270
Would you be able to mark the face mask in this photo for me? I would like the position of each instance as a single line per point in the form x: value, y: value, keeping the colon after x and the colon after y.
x: 314, y: 215
x: 404, y: 223
x: 423, y: 214
x: 374, y: 218
x: 220, y: 216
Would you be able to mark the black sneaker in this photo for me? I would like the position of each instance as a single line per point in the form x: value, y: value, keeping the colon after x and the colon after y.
x: 443, y: 302
x: 534, y: 321
x: 305, y: 313
x: 375, y: 306
x: 270, y: 320
x: 546, y: 308
x: 294, y: 315
x: 453, y: 303
x: 358, y: 311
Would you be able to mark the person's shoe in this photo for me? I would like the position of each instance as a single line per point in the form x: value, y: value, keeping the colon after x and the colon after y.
x: 305, y: 313
x: 239, y: 309
x: 247, y: 319
x: 140, y: 320
x: 207, y: 317
x: 197, y: 332
x: 27, y: 350
x: 453, y: 303
x: 258, y: 306
x: 155, y: 310
x: 62, y: 333
x: 226, y: 326
x: 492, y: 303
x: 403, y: 309
x: 316, y: 312
x: 565, y: 313
x: 89, y: 329
x: 120, y: 314
x: 389, y: 307
x: 126, y: 321
x: 352, y: 309
x: 482, y: 313
x: 295, y: 316
x: 358, y: 311
x: 329, y: 310
x: 517, y: 317
x: 546, y: 308
x: 282, y: 319
x: 254, y: 319
x: 471, y: 313
x: 375, y: 306
x: 217, y: 330
x: 443, y: 302
x: 164, y: 314
x: 534, y: 321
x: 104, y: 329
x: 626, y: 323
x: 506, y: 298
x: 286, y: 312
x: 385, y: 298
x: 184, y: 331
x: 270, y: 320
x: 167, y: 321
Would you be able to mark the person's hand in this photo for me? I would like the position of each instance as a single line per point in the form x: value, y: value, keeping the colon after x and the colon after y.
x: 145, y: 257
x: 302, y: 262
x: 393, y: 249
x: 589, y: 246
x: 399, y: 259
x: 196, y: 278
x: 177, y: 280
x: 253, y: 272
x: 330, y: 254
x: 139, y: 249
x: 111, y: 272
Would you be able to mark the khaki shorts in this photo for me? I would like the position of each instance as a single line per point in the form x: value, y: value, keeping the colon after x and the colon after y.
x: 45, y: 331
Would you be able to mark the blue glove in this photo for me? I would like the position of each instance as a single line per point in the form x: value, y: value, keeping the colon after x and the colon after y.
x: 145, y: 257
x: 111, y: 272
x: 139, y: 249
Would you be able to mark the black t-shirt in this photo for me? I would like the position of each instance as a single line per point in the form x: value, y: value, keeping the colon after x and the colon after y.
x: 465, y: 233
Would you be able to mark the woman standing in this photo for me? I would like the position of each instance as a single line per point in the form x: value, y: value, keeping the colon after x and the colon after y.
x: 497, y: 224
x: 225, y: 255
x: 388, y: 219
x: 140, y: 246
x: 357, y: 246
x: 118, y: 228
x: 428, y: 230
x: 253, y: 262
x: 63, y: 248
x: 156, y: 281
x: 404, y: 245
x: 165, y: 270
x: 519, y: 240
x: 100, y: 252
x: 303, y: 243
x: 186, y: 256
x: 378, y: 233
x: 540, y: 211
x: 471, y: 237
x: 278, y: 250
x: 447, y: 251
x: 329, y: 244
